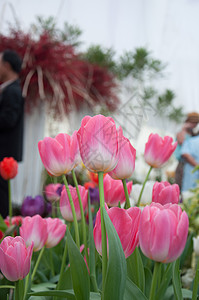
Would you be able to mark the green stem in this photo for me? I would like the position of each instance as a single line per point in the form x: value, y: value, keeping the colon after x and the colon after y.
x: 10, y: 202
x: 82, y: 214
x: 103, y: 230
x: 37, y: 263
x: 141, y: 192
x: 128, y: 205
x: 54, y: 209
x: 154, y: 280
x: 19, y: 290
x: 196, y: 283
x: 51, y: 262
x: 63, y: 265
x: 73, y: 211
x: 27, y: 280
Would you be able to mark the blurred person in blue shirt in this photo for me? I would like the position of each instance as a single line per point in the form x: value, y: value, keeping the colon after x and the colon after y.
x: 190, y: 153
x: 188, y: 131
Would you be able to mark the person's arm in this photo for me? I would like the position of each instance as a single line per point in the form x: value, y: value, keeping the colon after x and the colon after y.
x: 181, y: 136
x: 11, y: 108
x: 190, y: 159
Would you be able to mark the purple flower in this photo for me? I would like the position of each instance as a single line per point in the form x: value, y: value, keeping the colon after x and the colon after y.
x: 33, y: 206
x: 94, y: 195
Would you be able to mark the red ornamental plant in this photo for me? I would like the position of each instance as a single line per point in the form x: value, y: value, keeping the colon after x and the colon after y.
x: 53, y: 72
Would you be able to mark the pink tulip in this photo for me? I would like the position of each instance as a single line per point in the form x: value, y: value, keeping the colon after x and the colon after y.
x: 99, y: 143
x: 126, y: 164
x: 164, y: 192
x: 75, y: 149
x: 126, y: 223
x: 58, y: 154
x: 56, y: 231
x: 34, y: 229
x: 114, y: 191
x: 163, y: 232
x: 51, y: 191
x: 158, y: 150
x: 65, y: 207
x: 15, y: 258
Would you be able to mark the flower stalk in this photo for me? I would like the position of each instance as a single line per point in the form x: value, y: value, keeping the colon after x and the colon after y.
x: 103, y: 229
x: 143, y: 186
x: 73, y: 212
x: 82, y: 214
x: 128, y: 205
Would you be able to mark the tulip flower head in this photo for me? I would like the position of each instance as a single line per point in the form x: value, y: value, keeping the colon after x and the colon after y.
x: 55, y: 230
x: 114, y: 191
x: 158, y: 150
x: 163, y: 232
x: 164, y: 192
x: 34, y: 229
x: 99, y: 142
x: 15, y: 258
x: 33, y: 206
x: 126, y: 163
x: 8, y: 168
x: 59, y: 154
x: 65, y: 207
x: 52, y: 191
x: 126, y: 223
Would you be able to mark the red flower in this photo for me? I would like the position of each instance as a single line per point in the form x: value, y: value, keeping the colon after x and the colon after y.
x: 8, y: 168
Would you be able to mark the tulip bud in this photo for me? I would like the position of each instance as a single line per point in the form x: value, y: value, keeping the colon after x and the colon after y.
x: 8, y: 168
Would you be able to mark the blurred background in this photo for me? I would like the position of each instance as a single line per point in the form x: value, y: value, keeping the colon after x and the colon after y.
x: 134, y: 60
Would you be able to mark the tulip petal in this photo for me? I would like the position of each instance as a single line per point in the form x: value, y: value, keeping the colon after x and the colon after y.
x: 8, y: 266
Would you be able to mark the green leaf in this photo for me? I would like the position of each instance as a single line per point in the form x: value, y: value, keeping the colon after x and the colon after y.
x: 95, y: 296
x: 187, y: 250
x: 165, y: 281
x: 187, y: 294
x: 148, y: 280
x: 176, y: 280
x: 91, y: 250
x: 79, y: 272
x: 69, y: 294
x: 116, y: 271
x: 132, y: 292
x: 43, y: 287
x: 196, y: 283
x: 3, y: 226
x: 135, y: 269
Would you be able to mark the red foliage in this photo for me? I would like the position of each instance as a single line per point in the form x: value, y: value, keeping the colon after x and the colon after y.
x: 53, y: 72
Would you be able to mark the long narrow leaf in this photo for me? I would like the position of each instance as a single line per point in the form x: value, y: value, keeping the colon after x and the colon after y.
x: 132, y: 292
x: 91, y: 249
x: 79, y: 272
x: 135, y: 269
x: 196, y: 283
x: 116, y: 271
x: 69, y: 294
x: 176, y: 280
x: 165, y: 281
x: 148, y: 280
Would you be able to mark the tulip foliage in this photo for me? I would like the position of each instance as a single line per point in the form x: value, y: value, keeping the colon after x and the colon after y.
x: 123, y: 252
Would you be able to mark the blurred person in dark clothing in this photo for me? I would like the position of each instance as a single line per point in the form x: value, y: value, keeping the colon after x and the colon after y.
x: 11, y: 116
